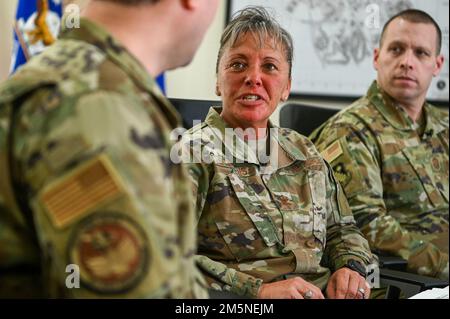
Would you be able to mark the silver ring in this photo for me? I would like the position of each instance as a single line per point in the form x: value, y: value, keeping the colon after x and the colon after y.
x: 362, y: 291
x: 308, y: 294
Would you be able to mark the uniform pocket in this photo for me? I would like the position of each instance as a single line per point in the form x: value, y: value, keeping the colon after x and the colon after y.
x: 249, y: 192
x: 245, y: 227
x: 239, y: 212
x: 417, y: 159
x: 303, y: 202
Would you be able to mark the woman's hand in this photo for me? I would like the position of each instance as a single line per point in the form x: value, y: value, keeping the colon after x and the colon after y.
x: 294, y: 288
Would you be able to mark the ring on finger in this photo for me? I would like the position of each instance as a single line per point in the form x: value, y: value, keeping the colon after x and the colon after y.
x: 308, y: 294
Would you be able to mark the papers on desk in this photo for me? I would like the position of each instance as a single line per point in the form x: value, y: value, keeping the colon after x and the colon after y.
x: 435, y: 293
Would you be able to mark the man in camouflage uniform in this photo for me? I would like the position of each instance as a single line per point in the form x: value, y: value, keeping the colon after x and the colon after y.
x: 86, y: 180
x: 273, y: 226
x: 390, y: 149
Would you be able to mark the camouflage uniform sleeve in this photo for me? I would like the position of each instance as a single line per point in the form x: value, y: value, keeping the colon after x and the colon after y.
x: 344, y: 240
x: 354, y: 158
x: 218, y: 275
x: 223, y: 278
x: 199, y: 178
x: 95, y: 170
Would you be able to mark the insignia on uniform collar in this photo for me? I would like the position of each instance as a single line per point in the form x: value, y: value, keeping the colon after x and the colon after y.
x: 332, y: 152
x: 75, y: 195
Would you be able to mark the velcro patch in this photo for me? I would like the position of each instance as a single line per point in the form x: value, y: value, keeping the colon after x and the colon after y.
x: 112, y: 252
x: 332, y: 152
x: 76, y: 195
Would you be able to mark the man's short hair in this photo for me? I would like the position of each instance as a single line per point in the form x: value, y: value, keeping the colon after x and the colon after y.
x: 416, y: 16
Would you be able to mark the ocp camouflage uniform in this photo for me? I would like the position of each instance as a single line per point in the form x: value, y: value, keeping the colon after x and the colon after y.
x: 395, y: 175
x: 264, y: 223
x: 86, y: 178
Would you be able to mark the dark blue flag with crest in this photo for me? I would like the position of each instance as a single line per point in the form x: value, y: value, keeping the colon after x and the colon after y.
x: 36, y: 27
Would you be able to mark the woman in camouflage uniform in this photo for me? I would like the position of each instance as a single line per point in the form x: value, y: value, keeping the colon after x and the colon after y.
x: 270, y: 225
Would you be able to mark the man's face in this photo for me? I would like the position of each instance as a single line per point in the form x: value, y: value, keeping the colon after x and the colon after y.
x: 407, y: 60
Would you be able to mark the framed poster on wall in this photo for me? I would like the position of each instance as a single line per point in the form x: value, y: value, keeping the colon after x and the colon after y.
x: 334, y: 42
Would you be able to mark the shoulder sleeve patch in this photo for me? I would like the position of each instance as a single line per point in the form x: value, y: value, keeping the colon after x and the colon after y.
x: 79, y: 192
x: 332, y: 152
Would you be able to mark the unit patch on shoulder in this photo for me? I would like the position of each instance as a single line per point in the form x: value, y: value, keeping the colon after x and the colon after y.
x: 332, y: 152
x: 75, y: 195
x: 111, y: 251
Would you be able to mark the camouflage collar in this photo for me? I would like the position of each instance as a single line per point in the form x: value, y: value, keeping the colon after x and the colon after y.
x: 214, y: 120
x: 397, y: 116
x: 290, y: 148
x: 435, y: 122
x: 393, y: 113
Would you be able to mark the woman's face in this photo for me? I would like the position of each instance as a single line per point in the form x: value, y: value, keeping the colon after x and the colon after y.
x: 252, y: 80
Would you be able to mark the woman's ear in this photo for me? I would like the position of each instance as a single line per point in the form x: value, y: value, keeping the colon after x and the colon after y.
x: 286, y: 91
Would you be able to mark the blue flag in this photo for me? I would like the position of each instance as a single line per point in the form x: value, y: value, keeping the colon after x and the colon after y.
x: 37, y: 26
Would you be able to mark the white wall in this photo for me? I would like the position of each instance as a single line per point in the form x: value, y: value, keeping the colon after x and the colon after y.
x: 197, y: 81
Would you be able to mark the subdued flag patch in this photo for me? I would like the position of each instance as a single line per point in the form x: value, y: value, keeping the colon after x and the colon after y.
x: 332, y: 152
x: 79, y: 193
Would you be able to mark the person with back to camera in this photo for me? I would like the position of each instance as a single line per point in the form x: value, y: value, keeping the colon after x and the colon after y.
x: 87, y: 185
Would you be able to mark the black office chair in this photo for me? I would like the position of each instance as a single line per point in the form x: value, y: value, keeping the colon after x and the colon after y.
x: 193, y: 110
x: 304, y: 118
